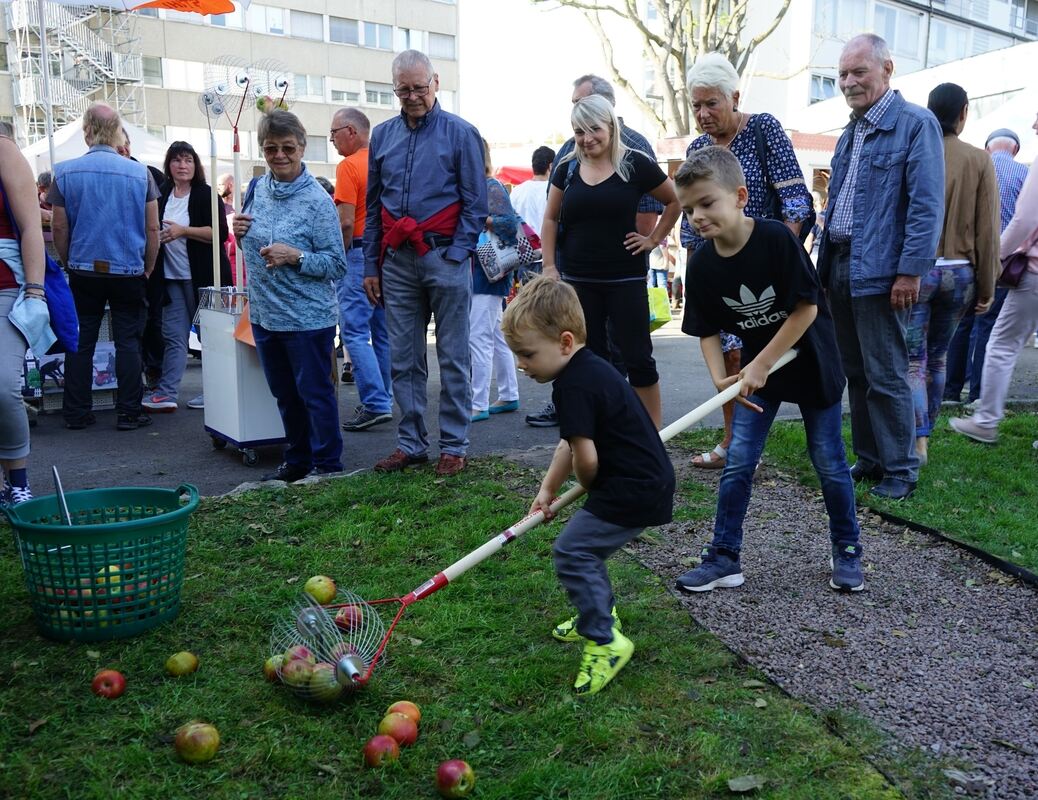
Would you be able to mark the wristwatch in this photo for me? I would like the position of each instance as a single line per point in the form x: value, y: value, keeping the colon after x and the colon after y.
x: 299, y: 263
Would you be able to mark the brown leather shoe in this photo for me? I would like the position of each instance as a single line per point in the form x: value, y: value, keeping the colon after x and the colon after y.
x: 449, y: 465
x: 398, y: 461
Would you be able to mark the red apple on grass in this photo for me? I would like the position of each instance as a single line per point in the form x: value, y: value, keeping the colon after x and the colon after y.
x: 381, y: 750
x: 401, y: 727
x: 108, y: 683
x: 455, y: 778
x: 349, y: 618
x: 321, y: 588
x: 407, y: 708
x: 183, y: 663
x: 300, y: 652
x: 196, y: 742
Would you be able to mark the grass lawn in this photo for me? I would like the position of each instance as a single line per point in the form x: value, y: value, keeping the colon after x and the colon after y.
x: 683, y: 719
x: 985, y: 495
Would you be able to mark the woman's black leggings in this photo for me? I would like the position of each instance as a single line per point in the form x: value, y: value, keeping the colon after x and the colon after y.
x: 625, y: 305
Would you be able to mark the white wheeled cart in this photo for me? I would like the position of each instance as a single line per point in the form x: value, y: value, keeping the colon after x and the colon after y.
x: 239, y: 408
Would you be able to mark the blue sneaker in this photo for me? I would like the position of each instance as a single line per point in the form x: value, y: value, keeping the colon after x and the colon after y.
x: 715, y: 572
x: 846, y: 567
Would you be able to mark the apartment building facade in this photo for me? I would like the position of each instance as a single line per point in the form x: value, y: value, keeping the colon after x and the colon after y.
x: 338, y: 53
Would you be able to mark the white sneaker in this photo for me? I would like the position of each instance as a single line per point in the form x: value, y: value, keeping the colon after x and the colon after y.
x: 197, y: 402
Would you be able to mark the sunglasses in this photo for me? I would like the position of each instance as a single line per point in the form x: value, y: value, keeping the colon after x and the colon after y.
x: 271, y: 150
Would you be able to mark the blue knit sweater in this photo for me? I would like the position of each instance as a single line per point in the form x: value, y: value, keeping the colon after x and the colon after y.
x: 300, y: 214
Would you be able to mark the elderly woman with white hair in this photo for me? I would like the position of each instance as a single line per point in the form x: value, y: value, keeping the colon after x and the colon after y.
x: 774, y: 182
x: 591, y: 220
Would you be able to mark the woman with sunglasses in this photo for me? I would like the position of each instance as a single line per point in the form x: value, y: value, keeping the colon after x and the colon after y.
x: 184, y: 265
x: 289, y: 233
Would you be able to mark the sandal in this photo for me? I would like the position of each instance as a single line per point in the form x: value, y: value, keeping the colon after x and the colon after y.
x: 715, y: 459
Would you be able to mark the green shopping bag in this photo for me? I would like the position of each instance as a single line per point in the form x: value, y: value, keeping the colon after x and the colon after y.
x: 659, y: 307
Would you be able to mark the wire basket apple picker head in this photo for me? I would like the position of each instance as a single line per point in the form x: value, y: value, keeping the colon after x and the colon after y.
x: 344, y: 641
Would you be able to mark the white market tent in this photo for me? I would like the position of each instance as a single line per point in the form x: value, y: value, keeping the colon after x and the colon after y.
x: 68, y: 143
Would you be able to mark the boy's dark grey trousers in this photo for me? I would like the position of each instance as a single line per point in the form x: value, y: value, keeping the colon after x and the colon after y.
x: 580, y: 553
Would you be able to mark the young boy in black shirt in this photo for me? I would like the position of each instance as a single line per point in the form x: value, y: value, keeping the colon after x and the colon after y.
x: 754, y: 278
x: 608, y: 441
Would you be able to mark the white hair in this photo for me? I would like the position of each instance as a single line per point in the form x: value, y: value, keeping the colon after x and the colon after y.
x: 878, y: 45
x: 412, y: 59
x: 1002, y: 142
x: 713, y: 71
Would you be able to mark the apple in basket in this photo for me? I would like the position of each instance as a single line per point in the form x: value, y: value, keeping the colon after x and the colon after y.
x: 381, y: 750
x: 455, y: 778
x: 108, y: 683
x: 401, y: 727
x: 182, y: 663
x: 272, y: 666
x: 196, y: 742
x: 321, y: 588
x: 323, y: 684
x: 296, y: 672
x: 349, y: 618
x: 300, y: 652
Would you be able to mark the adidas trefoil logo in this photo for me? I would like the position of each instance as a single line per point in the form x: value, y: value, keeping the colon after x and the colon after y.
x: 755, y: 308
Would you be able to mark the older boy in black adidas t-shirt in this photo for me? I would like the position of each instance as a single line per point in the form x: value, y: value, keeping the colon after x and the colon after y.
x: 754, y: 278
x: 608, y: 441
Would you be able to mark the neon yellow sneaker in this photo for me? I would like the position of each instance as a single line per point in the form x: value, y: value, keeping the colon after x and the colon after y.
x: 601, y: 662
x: 567, y: 631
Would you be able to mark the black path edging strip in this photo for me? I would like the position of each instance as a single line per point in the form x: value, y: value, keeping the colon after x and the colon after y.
x: 1021, y: 573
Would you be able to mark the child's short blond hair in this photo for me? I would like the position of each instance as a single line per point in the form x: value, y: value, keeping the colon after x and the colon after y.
x: 546, y: 306
x: 717, y: 164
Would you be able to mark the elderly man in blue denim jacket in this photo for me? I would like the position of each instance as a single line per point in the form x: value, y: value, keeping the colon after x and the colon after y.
x: 886, y: 209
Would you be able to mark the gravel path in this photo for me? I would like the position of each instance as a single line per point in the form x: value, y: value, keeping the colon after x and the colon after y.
x: 940, y: 649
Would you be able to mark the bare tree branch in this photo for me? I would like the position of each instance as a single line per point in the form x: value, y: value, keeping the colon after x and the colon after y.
x: 683, y: 29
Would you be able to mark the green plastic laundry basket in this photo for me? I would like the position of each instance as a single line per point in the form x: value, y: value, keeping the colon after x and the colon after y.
x: 116, y: 572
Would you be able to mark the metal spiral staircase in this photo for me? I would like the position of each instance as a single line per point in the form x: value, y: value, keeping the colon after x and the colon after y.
x: 93, y: 57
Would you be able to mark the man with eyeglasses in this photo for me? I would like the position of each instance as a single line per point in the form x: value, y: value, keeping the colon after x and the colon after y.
x: 362, y: 326
x: 426, y: 204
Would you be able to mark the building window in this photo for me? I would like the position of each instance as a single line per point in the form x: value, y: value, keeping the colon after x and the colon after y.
x: 343, y: 31
x: 651, y: 14
x: 147, y: 12
x: 306, y: 25
x: 839, y: 18
x: 822, y: 87
x: 441, y: 45
x: 408, y: 39
x: 232, y: 19
x: 345, y: 91
x: 316, y: 148
x: 947, y: 42
x: 177, y: 74
x: 378, y: 94
x: 152, y: 70
x: 266, y: 19
x: 3, y: 58
x: 310, y: 87
x: 184, y: 16
x: 378, y: 36
x: 899, y: 28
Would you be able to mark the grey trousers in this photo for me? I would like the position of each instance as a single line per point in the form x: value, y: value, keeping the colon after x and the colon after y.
x: 580, y: 553
x: 14, y: 424
x: 176, y: 333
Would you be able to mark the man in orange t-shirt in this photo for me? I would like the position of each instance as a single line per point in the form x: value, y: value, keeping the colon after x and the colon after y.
x: 362, y: 327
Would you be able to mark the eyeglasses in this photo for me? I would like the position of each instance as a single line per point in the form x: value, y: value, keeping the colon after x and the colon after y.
x: 418, y: 91
x: 334, y: 131
x: 271, y: 150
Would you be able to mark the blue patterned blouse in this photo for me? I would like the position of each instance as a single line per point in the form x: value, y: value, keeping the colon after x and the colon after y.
x: 783, y: 170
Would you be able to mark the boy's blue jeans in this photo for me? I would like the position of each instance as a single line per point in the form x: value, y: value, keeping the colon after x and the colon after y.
x: 824, y: 445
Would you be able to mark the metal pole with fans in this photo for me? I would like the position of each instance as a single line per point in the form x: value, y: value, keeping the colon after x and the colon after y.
x: 211, y: 104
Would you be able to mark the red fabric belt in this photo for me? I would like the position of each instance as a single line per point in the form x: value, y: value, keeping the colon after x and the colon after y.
x: 408, y: 230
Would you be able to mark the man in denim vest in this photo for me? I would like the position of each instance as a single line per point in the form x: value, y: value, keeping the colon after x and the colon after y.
x: 106, y: 231
x: 886, y: 212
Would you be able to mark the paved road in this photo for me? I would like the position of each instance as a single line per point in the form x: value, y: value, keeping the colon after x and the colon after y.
x: 176, y: 449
